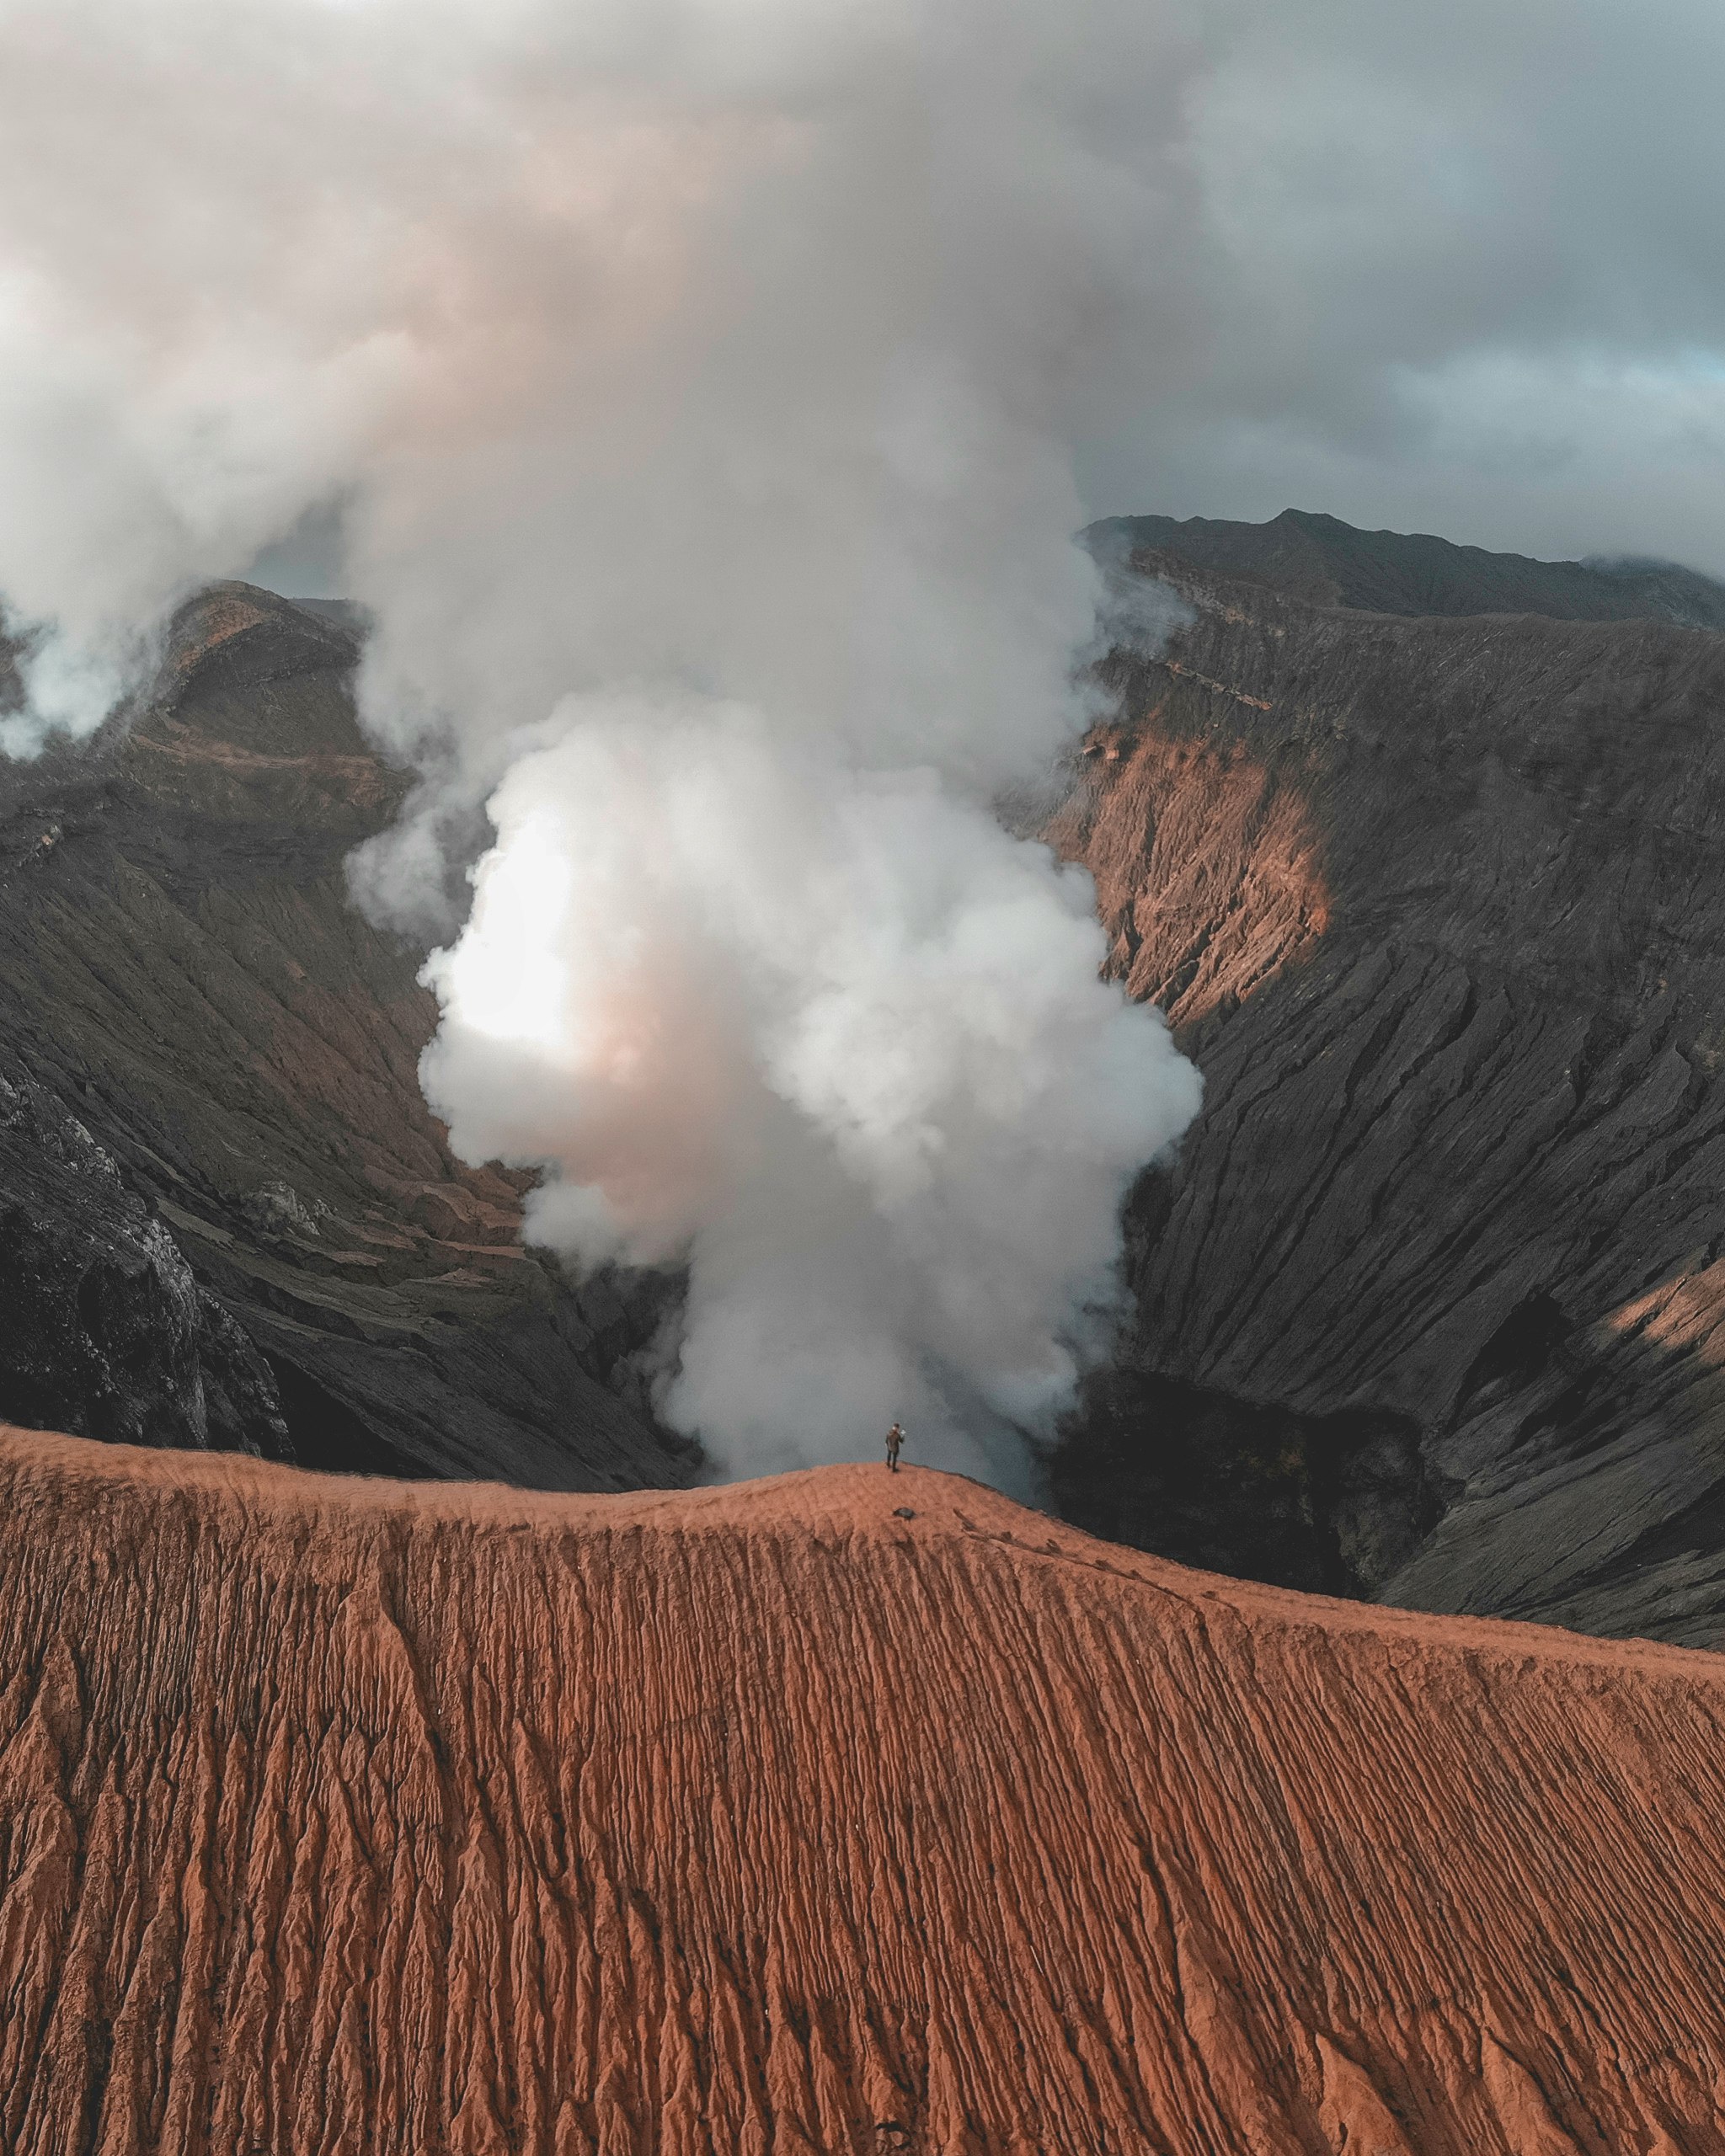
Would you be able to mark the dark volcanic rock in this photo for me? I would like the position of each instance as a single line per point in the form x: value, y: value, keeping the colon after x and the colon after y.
x: 1332, y: 1504
x: 182, y: 966
x: 1435, y: 903
x: 106, y: 1332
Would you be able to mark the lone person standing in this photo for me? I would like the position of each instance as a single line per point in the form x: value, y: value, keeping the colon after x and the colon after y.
x: 894, y: 1440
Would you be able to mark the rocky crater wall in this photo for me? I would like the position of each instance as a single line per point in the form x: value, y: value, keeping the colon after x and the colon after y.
x: 183, y: 975
x: 1434, y: 903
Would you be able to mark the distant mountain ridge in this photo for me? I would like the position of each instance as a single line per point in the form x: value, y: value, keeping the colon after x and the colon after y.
x: 1327, y: 563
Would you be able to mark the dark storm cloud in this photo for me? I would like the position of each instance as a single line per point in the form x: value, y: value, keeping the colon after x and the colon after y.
x: 1458, y: 267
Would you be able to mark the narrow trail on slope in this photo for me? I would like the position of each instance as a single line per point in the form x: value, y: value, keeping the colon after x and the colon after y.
x: 834, y: 1815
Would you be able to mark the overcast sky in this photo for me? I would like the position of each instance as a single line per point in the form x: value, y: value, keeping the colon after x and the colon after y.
x: 1450, y: 265
x: 1456, y: 267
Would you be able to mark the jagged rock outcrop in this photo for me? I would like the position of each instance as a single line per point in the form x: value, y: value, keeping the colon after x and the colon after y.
x: 106, y: 1333
x: 843, y: 1813
x: 1428, y: 1306
x: 182, y: 968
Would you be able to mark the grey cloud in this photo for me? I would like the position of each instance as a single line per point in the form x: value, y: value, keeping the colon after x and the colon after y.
x: 1458, y: 268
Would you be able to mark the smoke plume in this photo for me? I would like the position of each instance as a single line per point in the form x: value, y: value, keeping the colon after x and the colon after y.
x: 694, y: 386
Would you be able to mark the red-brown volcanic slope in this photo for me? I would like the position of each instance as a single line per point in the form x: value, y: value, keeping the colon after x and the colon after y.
x: 343, y: 1817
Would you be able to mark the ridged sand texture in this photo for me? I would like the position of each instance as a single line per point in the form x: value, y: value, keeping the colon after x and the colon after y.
x: 837, y: 1813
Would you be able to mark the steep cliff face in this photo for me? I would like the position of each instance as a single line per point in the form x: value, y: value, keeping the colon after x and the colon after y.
x: 845, y: 1812
x: 1435, y: 1283
x: 183, y: 971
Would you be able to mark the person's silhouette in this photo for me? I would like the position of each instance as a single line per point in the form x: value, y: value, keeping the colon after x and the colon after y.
x: 894, y: 1440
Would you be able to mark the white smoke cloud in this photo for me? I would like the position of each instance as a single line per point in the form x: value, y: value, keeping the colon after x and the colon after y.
x: 833, y: 1034
x: 695, y: 384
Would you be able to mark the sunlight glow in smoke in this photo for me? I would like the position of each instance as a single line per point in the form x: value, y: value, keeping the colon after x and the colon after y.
x: 838, y: 1037
x: 511, y: 986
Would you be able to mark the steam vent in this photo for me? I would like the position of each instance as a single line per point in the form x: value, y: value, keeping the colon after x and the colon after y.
x: 838, y: 1813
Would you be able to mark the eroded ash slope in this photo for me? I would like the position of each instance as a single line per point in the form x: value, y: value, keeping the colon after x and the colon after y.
x: 1431, y: 1304
x: 844, y: 1812
x: 183, y: 975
